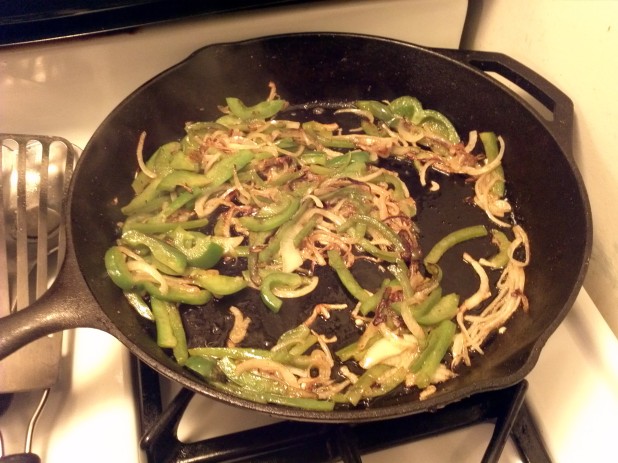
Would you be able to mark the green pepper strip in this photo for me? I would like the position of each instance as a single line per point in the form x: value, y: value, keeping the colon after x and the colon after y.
x: 313, y: 157
x: 186, y: 294
x: 438, y: 342
x: 353, y: 351
x: 423, y: 307
x: 322, y: 136
x: 292, y: 337
x: 223, y: 170
x: 260, y: 397
x: 180, y: 351
x: 117, y: 269
x: 270, y: 223
x: 240, y: 353
x: 286, y: 178
x: 219, y: 285
x: 371, y: 303
x: 378, y: 109
x: 159, y: 163
x: 361, y: 388
x: 163, y: 227
x: 262, y: 110
x: 376, y: 225
x: 401, y: 272
x: 408, y: 107
x: 291, y: 280
x: 144, y: 198
x: 183, y: 161
x: 395, y: 182
x: 387, y: 383
x: 490, y: 145
x: 439, y: 124
x: 200, y: 250
x: 345, y: 276
x: 274, y: 208
x: 165, y: 333
x: 501, y: 259
x: 246, y: 353
x: 274, y: 243
x: 305, y: 230
x: 163, y: 252
x: 183, y: 178
x: 388, y: 256
x: 453, y: 238
x: 150, y: 206
x: 445, y: 309
x: 205, y: 367
x: 255, y: 382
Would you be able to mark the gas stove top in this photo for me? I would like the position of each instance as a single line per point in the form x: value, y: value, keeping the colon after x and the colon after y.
x: 67, y: 87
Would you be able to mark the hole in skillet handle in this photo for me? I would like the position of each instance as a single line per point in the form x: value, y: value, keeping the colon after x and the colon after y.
x: 552, y: 107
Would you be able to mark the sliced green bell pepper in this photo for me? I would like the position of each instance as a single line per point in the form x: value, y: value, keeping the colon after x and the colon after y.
x: 200, y: 250
x: 345, y: 276
x: 453, y: 238
x: 444, y: 309
x: 490, y: 145
x: 262, y: 110
x: 117, y: 269
x: 438, y: 341
x: 280, y: 279
x: 163, y: 252
x: 219, y: 285
x: 257, y: 224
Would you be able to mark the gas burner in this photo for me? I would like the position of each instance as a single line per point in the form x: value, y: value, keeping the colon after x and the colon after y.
x: 316, y: 442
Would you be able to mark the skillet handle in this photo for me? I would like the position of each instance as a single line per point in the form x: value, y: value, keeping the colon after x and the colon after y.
x: 559, y: 117
x: 67, y: 304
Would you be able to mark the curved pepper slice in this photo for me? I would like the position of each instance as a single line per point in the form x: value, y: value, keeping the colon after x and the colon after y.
x: 184, y: 178
x: 260, y: 225
x: 185, y: 294
x: 490, y: 145
x: 407, y: 107
x: 219, y: 285
x: 345, y: 276
x: 453, y: 238
x: 438, y: 341
x: 444, y: 309
x: 199, y: 249
x: 290, y: 280
x: 262, y: 110
x: 163, y: 252
x: 117, y: 269
x: 378, y: 109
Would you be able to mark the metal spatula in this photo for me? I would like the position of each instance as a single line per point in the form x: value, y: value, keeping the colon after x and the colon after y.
x: 35, y: 175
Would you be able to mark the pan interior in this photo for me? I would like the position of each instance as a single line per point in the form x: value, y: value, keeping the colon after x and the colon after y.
x: 310, y: 68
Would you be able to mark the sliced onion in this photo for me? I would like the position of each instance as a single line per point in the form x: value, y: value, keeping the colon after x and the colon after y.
x: 309, y: 284
x: 140, y: 157
x: 144, y: 267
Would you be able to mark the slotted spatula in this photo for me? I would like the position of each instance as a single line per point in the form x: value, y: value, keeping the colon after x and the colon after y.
x: 35, y: 176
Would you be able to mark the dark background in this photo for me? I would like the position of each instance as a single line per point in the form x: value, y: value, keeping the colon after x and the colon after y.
x: 39, y: 20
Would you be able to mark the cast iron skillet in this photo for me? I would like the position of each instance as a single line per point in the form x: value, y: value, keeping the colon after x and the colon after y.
x: 544, y: 186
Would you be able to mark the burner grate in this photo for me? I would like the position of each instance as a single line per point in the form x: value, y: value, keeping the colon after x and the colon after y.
x: 313, y: 442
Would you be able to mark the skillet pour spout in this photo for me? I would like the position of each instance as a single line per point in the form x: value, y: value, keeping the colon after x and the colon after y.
x: 544, y: 186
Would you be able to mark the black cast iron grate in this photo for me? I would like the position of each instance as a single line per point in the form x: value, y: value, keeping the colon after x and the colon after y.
x: 316, y: 443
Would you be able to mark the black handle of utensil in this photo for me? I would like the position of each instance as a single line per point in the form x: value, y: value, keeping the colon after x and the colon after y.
x: 21, y: 458
x: 560, y: 125
x: 67, y: 304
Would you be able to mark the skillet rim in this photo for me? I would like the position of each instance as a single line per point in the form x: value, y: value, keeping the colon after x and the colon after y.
x: 364, y: 414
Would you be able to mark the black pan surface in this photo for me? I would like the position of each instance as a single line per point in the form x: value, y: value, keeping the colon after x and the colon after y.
x: 543, y: 182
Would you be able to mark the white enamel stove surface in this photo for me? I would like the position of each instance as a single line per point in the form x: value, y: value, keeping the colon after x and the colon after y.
x: 67, y: 88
